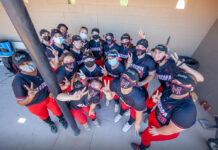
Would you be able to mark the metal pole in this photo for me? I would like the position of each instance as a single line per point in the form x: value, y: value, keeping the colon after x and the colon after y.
x: 20, y: 18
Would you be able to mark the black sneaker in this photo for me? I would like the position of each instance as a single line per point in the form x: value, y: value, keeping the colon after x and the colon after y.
x: 53, y: 128
x: 63, y: 123
x: 135, y: 146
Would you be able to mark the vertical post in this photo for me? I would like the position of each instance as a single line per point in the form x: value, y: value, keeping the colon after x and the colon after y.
x: 21, y: 20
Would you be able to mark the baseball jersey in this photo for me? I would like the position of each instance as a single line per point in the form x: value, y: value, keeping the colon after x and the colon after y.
x: 182, y: 112
x: 78, y: 56
x: 96, y: 73
x: 124, y: 53
x: 61, y: 73
x: 143, y: 65
x: 166, y: 72
x: 95, y: 47
x: 48, y: 52
x: 113, y: 73
x: 136, y: 98
x: 84, y: 101
x: 60, y: 50
x: 107, y: 48
x: 39, y: 84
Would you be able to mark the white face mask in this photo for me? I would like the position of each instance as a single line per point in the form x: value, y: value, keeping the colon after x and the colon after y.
x: 58, y: 40
x: 83, y: 36
x: 30, y: 67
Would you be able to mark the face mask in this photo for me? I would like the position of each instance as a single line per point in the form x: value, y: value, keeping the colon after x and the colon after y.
x: 95, y: 37
x: 64, y: 34
x: 109, y: 41
x: 83, y: 36
x: 126, y: 45
x: 140, y: 52
x: 112, y: 62
x: 58, y: 40
x: 47, y: 38
x: 125, y: 83
x: 178, y: 89
x: 161, y: 60
x: 89, y: 64
x: 93, y: 92
x: 30, y: 67
x: 70, y: 65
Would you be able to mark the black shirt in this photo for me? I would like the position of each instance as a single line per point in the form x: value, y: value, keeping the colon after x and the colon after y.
x: 60, y: 50
x: 136, y: 98
x: 96, y: 49
x: 78, y: 56
x: 182, y: 112
x: 61, y: 73
x: 96, y: 73
x: 124, y: 53
x: 107, y: 48
x: 113, y: 73
x: 39, y: 84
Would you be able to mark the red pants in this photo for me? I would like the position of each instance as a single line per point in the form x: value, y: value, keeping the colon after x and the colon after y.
x: 149, y: 102
x: 132, y: 110
x: 106, y: 78
x: 41, y: 109
x: 79, y: 115
x: 99, y: 62
x: 147, y: 138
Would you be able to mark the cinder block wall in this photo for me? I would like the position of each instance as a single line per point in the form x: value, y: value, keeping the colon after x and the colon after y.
x: 207, y: 54
x: 158, y: 18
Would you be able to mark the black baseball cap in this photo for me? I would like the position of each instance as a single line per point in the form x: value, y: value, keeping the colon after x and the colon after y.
x: 95, y: 30
x: 112, y: 53
x: 132, y: 74
x: 125, y: 36
x: 109, y: 34
x: 76, y: 38
x: 20, y: 57
x: 43, y: 31
x: 185, y: 79
x: 143, y: 42
x: 54, y: 31
x: 161, y: 47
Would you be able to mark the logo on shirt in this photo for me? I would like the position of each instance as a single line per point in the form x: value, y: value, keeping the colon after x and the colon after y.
x: 140, y: 69
x: 42, y: 86
x: 164, y: 77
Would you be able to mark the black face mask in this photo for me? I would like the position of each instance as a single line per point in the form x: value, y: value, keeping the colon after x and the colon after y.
x: 160, y: 61
x: 125, y: 45
x: 93, y: 92
x: 64, y: 35
x: 109, y: 41
x: 95, y: 37
x: 70, y: 65
x: 178, y: 89
x: 89, y: 64
x: 125, y: 83
x: 47, y: 38
x: 139, y: 52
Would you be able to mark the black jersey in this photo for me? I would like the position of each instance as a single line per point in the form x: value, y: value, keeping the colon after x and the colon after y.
x: 96, y: 73
x: 136, y: 98
x: 61, y: 73
x: 96, y: 49
x: 166, y: 72
x: 107, y: 48
x: 84, y: 101
x: 143, y: 65
x: 78, y: 56
x: 47, y: 51
x: 60, y: 50
x: 182, y: 112
x: 123, y: 53
x: 39, y: 84
x: 113, y: 73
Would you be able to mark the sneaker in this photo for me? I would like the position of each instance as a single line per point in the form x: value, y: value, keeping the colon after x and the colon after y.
x: 116, y: 108
x: 96, y: 123
x: 86, y: 126
x: 107, y: 103
x: 63, y: 123
x: 126, y: 127
x: 127, y: 113
x: 117, y: 118
x: 135, y: 146
x: 53, y: 128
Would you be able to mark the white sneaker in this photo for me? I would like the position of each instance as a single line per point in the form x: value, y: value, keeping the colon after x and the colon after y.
x: 96, y: 123
x: 127, y: 113
x: 107, y: 103
x: 117, y: 118
x: 86, y: 126
x: 116, y: 108
x: 126, y: 127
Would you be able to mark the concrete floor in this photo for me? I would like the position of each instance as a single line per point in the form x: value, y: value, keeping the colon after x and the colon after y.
x: 35, y: 134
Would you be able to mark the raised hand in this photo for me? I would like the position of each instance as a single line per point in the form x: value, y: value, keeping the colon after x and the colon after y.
x: 176, y: 59
x: 104, y: 71
x: 129, y: 60
x: 142, y: 34
x: 54, y: 52
x: 79, y: 94
x: 156, y: 97
x: 31, y: 91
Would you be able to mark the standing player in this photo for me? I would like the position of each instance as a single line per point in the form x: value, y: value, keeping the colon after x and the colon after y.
x: 31, y: 91
x: 76, y: 48
x: 175, y: 112
x: 66, y: 72
x: 96, y: 46
x: 132, y: 96
x: 110, y: 44
x: 83, y: 32
x: 113, y: 68
x: 64, y: 30
x: 90, y: 97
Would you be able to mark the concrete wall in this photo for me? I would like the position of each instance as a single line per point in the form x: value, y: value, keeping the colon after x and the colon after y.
x: 207, y: 54
x: 158, y: 18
